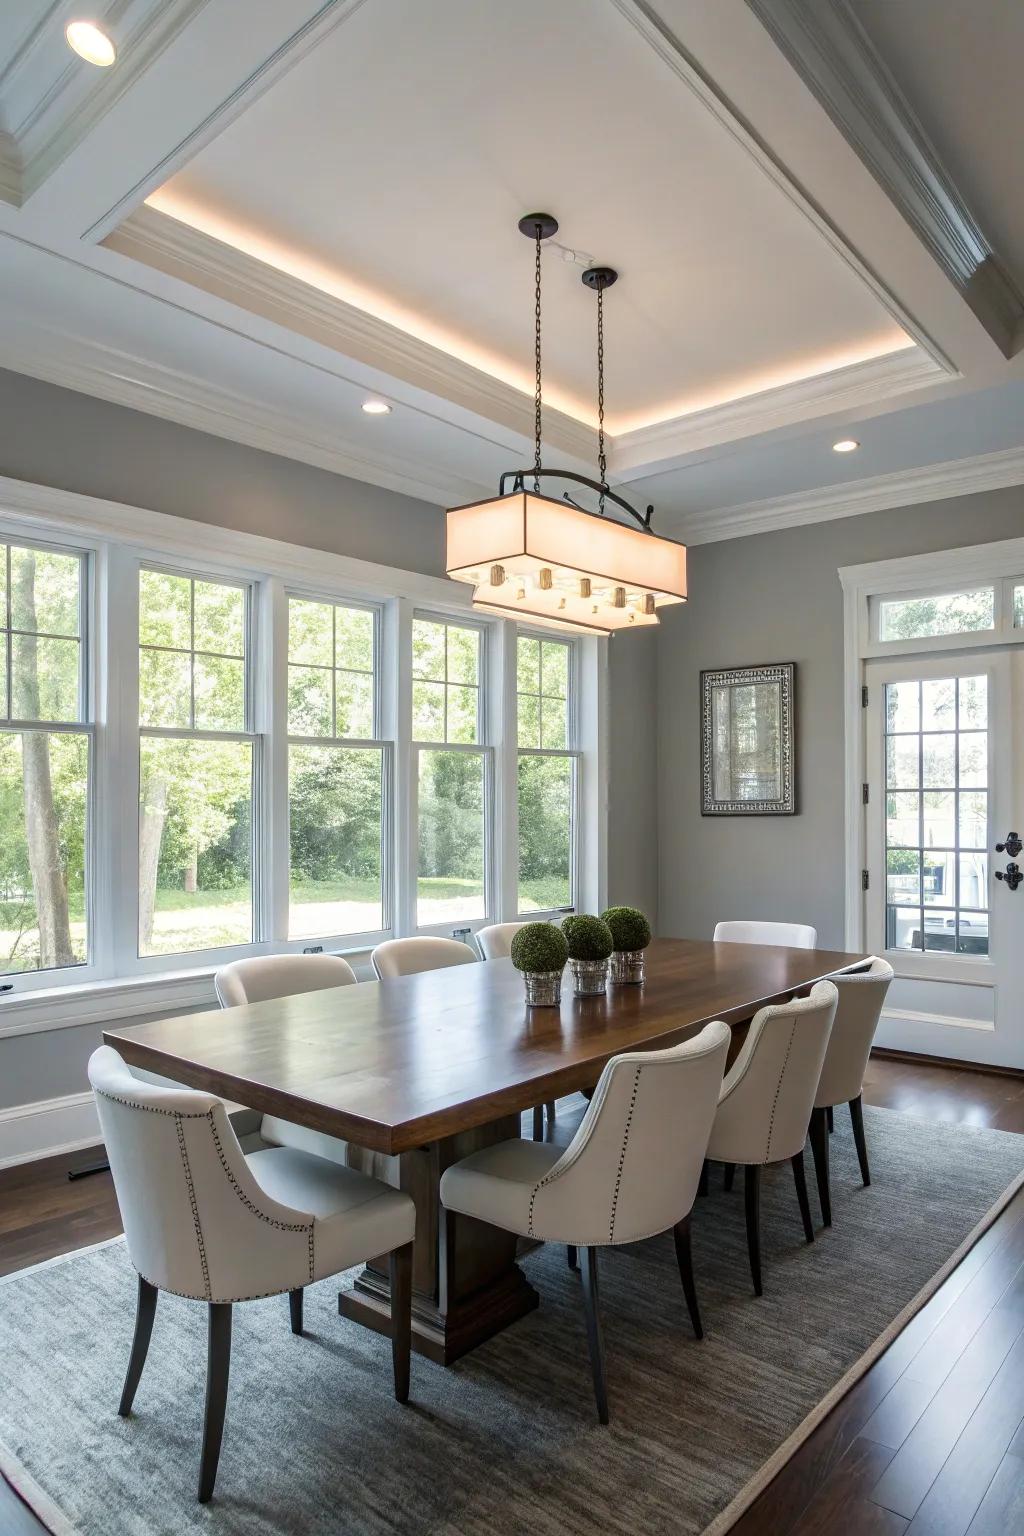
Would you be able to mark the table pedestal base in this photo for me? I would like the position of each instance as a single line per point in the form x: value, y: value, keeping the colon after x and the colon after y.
x: 466, y: 1284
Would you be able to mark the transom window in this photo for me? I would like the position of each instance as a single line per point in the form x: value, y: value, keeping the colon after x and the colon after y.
x: 196, y: 765
x: 936, y: 803
x: 45, y: 755
x: 547, y: 774
x: 949, y: 613
x: 336, y: 789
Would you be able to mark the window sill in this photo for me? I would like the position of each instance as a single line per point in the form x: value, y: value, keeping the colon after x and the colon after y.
x: 116, y: 998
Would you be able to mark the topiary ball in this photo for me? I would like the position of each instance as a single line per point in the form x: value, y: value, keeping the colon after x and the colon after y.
x: 588, y: 937
x: 538, y: 947
x: 630, y: 929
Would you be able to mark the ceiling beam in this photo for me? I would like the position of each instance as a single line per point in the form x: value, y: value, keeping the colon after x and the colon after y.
x: 826, y: 44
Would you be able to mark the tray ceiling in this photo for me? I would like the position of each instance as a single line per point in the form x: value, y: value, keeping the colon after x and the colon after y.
x: 390, y: 166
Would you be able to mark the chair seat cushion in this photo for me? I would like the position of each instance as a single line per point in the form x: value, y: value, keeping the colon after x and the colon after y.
x: 496, y: 1183
x: 356, y: 1217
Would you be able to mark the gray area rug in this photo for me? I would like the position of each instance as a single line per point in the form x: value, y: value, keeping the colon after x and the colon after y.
x: 506, y: 1441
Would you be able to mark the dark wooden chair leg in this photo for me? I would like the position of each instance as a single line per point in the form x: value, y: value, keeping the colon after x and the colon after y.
x: 730, y: 1175
x: 572, y: 1256
x: 595, y: 1342
x: 401, y: 1318
x: 684, y: 1258
x: 295, y: 1308
x: 831, y: 1120
x: 218, y: 1361
x: 538, y: 1122
x: 702, y: 1183
x: 857, y: 1116
x: 819, y: 1149
x: 752, y: 1202
x: 800, y: 1179
x: 145, y: 1311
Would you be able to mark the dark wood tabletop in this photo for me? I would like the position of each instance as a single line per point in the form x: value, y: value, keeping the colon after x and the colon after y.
x: 397, y: 1064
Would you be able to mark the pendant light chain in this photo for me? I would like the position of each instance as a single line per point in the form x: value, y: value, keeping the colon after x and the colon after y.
x: 536, y: 353
x: 602, y: 462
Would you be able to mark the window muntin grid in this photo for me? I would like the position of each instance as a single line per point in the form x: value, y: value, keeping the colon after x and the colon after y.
x: 936, y: 814
x: 446, y: 691
x: 332, y: 670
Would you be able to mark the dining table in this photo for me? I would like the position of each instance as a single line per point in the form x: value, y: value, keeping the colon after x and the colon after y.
x: 414, y: 1073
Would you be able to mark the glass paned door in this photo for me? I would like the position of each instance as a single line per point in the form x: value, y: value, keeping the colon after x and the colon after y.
x: 936, y: 814
x: 944, y: 787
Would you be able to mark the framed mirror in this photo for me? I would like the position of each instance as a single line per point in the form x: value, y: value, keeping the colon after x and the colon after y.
x: 747, y: 741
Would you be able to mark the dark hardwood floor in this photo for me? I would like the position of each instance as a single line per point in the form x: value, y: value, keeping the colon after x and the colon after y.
x: 930, y: 1442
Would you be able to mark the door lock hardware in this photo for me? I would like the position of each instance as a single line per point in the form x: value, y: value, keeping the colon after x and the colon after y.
x: 1013, y: 875
x: 1012, y: 846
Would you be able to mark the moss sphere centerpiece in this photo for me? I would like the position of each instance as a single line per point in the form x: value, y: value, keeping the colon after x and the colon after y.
x: 590, y: 943
x: 540, y: 952
x: 631, y: 933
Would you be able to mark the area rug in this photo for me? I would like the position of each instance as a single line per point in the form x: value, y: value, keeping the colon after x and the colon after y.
x: 507, y: 1440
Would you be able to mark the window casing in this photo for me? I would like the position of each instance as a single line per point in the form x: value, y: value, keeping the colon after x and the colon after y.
x: 126, y: 708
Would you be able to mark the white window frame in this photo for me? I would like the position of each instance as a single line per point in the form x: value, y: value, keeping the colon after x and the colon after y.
x: 337, y: 941
x: 573, y: 753
x: 116, y: 539
x: 952, y: 570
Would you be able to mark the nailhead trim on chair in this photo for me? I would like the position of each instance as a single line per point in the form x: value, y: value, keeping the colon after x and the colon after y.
x: 195, y: 1208
x: 281, y: 1226
x: 778, y: 1090
x: 622, y: 1154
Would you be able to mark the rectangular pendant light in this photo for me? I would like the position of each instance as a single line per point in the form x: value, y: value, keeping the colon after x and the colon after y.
x: 527, y: 554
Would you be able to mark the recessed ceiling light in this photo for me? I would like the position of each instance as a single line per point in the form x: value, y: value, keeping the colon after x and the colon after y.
x: 90, y: 43
x: 845, y: 445
x: 376, y: 408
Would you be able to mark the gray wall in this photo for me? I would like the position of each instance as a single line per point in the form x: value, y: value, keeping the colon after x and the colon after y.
x: 776, y: 597
x: 60, y: 438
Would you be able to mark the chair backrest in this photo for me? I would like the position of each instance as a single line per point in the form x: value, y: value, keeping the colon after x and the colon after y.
x: 263, y: 977
x: 632, y: 1168
x: 861, y: 996
x: 768, y: 1094
x: 495, y: 941
x: 404, y: 957
x: 196, y: 1221
x: 791, y: 935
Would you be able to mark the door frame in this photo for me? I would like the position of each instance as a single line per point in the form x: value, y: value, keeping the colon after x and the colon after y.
x: 999, y: 564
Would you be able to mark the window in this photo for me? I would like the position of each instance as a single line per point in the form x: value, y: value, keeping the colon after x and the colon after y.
x: 45, y: 750
x: 451, y: 777
x: 196, y: 764
x: 936, y: 806
x: 1018, y: 607
x: 336, y: 772
x: 546, y: 774
x: 952, y: 613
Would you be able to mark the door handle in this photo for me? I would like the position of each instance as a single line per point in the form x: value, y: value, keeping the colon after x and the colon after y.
x: 1012, y: 846
x: 1013, y: 875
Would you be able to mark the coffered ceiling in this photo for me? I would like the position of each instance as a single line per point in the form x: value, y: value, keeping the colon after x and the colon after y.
x: 250, y: 228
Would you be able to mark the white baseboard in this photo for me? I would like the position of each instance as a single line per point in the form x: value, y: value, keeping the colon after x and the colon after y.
x: 46, y: 1128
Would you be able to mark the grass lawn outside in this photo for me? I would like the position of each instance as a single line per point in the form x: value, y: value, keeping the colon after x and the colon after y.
x: 214, y: 919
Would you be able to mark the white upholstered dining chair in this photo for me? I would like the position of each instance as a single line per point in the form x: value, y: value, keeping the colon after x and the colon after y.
x: 790, y: 935
x: 495, y: 943
x: 205, y: 1222
x: 861, y: 998
x: 266, y: 978
x: 766, y: 1101
x: 406, y: 957
x: 629, y: 1173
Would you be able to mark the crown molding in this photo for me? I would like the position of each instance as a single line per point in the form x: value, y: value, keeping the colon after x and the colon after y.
x: 905, y: 488
x: 141, y: 385
x: 10, y: 171
x: 841, y: 389
x: 54, y: 104
x: 830, y: 50
x: 157, y: 240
